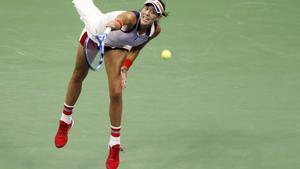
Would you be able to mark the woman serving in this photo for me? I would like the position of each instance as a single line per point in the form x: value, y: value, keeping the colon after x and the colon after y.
x: 130, y: 32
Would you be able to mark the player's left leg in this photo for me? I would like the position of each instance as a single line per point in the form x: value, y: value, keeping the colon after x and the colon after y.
x: 113, y: 61
x: 74, y: 88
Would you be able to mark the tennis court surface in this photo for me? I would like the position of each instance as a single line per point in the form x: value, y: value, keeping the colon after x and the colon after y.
x: 228, y: 98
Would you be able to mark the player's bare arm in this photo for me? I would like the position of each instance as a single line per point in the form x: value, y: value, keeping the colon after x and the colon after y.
x: 132, y: 56
x: 126, y: 20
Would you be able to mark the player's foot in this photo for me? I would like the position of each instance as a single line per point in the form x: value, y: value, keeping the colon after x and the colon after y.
x: 112, y: 161
x: 61, y: 137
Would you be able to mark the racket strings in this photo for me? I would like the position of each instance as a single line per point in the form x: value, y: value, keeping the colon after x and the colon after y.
x: 94, y: 52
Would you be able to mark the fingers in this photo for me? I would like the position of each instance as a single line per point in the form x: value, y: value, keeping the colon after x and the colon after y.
x: 113, y: 25
x: 123, y: 84
x: 123, y: 78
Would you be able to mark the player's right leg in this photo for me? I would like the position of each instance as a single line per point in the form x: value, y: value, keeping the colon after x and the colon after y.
x: 90, y: 15
x: 74, y: 88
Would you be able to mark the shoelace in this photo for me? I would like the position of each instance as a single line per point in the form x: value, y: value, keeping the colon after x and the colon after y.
x: 116, y: 151
x: 63, y: 129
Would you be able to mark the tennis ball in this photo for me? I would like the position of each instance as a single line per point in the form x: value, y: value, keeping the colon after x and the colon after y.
x: 166, y: 54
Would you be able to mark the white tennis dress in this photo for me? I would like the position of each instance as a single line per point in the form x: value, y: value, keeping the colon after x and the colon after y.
x: 95, y: 23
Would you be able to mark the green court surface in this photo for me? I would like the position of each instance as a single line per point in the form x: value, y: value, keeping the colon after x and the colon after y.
x: 228, y: 98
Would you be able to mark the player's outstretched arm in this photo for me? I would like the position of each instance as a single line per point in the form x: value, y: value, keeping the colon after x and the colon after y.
x: 126, y: 19
x: 132, y: 55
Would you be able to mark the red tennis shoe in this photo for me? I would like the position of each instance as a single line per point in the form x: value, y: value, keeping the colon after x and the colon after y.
x: 113, y: 159
x: 61, y: 137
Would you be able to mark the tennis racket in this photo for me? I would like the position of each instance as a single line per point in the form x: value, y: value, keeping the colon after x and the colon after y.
x: 94, y: 52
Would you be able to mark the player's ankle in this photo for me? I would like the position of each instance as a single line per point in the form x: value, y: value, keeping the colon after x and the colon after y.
x: 115, y: 136
x: 66, y: 115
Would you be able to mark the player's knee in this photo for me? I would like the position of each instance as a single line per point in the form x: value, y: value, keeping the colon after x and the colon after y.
x: 116, y: 95
x: 78, y: 75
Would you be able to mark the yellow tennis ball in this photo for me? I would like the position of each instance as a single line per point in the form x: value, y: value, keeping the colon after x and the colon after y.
x: 166, y: 54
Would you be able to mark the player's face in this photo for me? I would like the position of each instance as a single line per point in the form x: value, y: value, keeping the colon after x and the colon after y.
x: 148, y: 15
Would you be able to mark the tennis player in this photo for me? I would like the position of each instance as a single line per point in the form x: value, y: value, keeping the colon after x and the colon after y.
x: 131, y: 31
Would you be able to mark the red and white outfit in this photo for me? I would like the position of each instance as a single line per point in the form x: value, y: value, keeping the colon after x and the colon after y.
x: 95, y: 24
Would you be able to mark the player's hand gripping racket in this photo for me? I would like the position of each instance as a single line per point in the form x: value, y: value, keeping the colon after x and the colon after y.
x: 94, y: 52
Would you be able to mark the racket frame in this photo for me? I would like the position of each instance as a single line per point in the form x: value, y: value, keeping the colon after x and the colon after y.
x: 101, y: 46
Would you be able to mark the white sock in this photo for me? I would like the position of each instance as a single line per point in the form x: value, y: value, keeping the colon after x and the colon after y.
x: 114, y: 141
x: 66, y: 114
x: 115, y: 136
x: 66, y: 118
